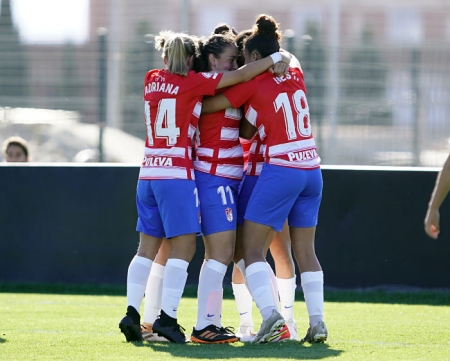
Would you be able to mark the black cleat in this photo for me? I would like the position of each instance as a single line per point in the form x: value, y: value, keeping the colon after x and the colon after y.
x: 168, y: 327
x: 131, y: 330
x: 213, y: 334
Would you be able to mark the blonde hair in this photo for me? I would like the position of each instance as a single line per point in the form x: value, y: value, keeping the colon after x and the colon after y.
x: 176, y: 49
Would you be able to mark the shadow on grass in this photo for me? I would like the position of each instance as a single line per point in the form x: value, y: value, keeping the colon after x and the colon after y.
x: 2, y: 340
x: 282, y: 350
x: 387, y: 295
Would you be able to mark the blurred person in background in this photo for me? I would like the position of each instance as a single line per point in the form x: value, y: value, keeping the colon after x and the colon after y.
x: 15, y: 149
x: 440, y: 191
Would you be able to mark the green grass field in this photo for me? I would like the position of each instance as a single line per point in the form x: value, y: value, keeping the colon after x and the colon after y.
x: 58, y: 324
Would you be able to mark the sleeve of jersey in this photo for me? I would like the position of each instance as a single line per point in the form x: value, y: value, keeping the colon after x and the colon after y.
x: 147, y: 80
x: 206, y: 87
x: 238, y: 94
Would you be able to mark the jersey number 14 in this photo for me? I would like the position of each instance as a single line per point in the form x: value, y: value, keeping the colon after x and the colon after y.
x: 165, y: 125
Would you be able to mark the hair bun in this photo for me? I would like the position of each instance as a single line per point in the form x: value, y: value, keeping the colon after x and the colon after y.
x: 223, y: 29
x: 266, y: 24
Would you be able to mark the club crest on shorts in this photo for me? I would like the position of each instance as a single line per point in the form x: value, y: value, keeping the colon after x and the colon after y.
x: 229, y: 214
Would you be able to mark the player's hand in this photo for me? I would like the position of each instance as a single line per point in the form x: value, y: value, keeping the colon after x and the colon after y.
x: 285, y: 56
x: 279, y: 69
x: 431, y: 223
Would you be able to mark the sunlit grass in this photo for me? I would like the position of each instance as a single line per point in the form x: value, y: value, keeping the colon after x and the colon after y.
x: 85, y: 327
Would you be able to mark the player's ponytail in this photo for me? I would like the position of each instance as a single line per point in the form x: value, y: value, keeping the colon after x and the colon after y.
x: 200, y: 61
x: 177, y: 48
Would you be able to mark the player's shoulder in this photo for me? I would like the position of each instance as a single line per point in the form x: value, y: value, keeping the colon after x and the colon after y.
x: 153, y: 73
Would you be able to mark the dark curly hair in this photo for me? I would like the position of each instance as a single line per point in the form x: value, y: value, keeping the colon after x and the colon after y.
x: 240, y: 42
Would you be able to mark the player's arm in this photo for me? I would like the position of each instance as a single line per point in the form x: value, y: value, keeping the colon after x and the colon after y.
x: 246, y: 130
x: 252, y: 69
x: 440, y: 191
x: 215, y: 103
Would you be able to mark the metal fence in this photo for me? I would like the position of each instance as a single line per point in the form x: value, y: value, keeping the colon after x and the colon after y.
x: 376, y: 97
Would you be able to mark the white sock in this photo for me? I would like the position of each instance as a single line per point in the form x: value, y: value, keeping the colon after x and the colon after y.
x: 258, y: 281
x: 312, y: 285
x: 244, y: 302
x: 153, y: 293
x: 209, y: 292
x: 201, y: 268
x: 274, y: 287
x: 286, y: 289
x: 137, y: 276
x: 241, y: 266
x: 174, y: 280
x: 218, y: 315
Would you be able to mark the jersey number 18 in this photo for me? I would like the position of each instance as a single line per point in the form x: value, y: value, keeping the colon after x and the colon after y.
x: 302, y: 123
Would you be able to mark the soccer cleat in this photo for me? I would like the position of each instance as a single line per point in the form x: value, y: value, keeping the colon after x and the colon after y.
x: 245, y: 332
x: 270, y: 328
x: 213, y: 334
x: 292, y: 329
x: 150, y: 336
x: 228, y: 329
x: 171, y: 331
x: 281, y: 335
x: 317, y: 334
x: 131, y: 330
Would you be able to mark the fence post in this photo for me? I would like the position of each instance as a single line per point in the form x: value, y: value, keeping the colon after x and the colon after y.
x: 102, y: 66
x: 415, y: 90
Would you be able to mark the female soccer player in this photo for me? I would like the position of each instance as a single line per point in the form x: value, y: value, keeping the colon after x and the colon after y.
x: 290, y: 184
x: 284, y: 283
x: 218, y: 168
x: 167, y: 198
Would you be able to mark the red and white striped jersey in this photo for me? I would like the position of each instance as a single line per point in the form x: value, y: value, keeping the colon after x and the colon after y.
x: 253, y: 155
x: 218, y: 150
x: 278, y: 108
x: 172, y: 108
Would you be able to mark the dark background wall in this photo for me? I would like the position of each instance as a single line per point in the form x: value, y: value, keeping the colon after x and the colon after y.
x: 76, y: 224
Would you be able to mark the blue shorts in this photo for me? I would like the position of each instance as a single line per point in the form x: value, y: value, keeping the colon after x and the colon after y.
x: 218, y: 196
x: 282, y: 193
x: 245, y: 191
x: 167, y: 207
